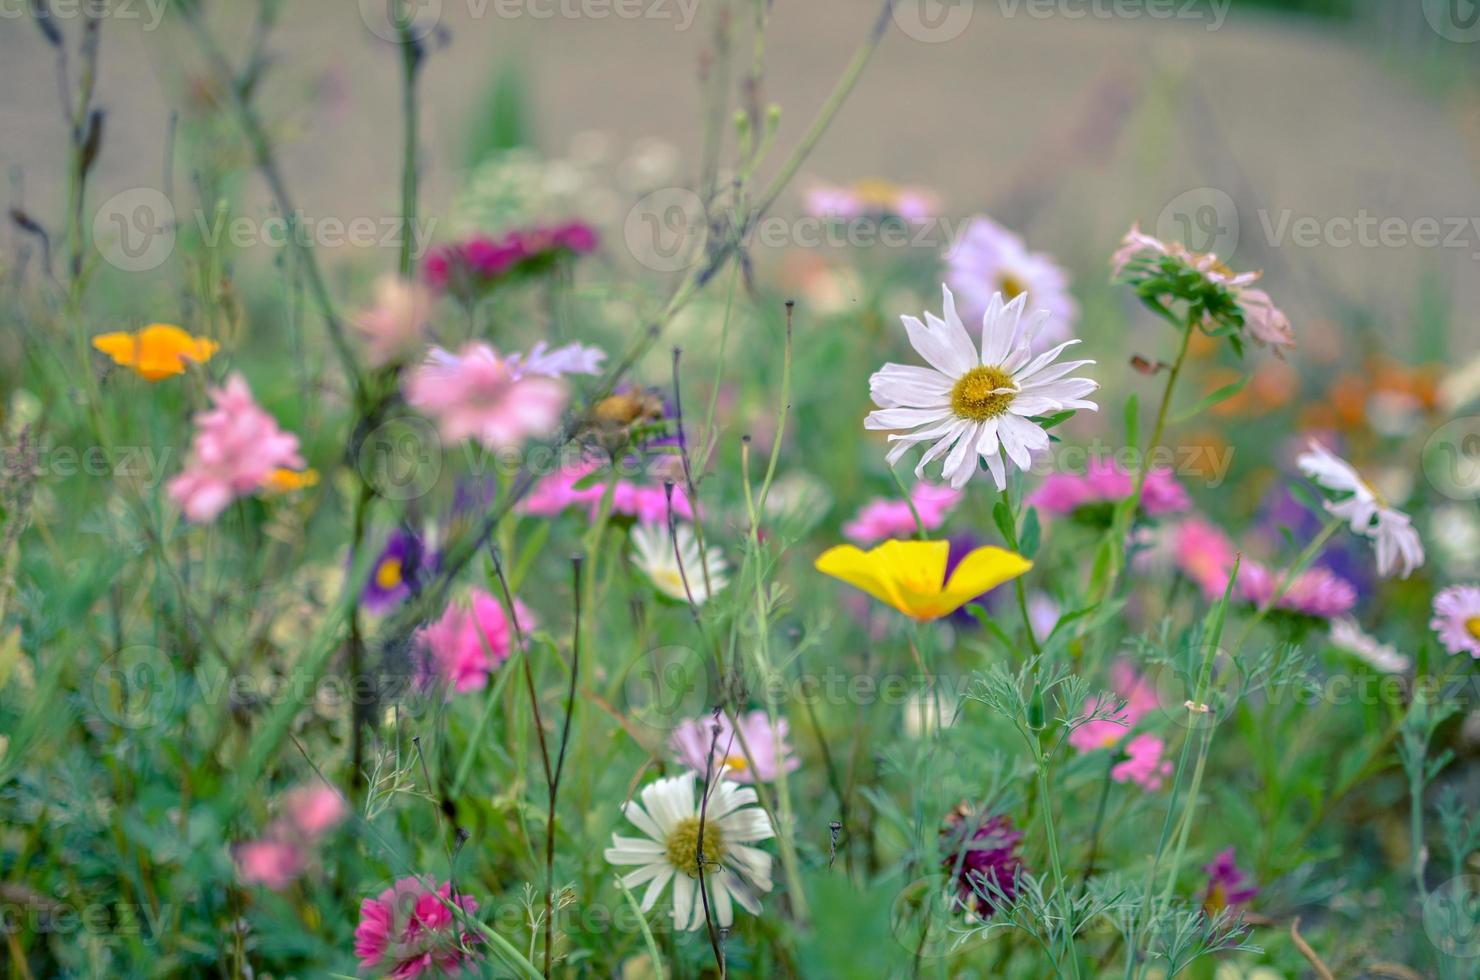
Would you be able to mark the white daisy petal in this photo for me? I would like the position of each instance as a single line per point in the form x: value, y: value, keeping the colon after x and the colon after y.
x: 650, y: 897
x: 904, y: 418
x: 905, y: 386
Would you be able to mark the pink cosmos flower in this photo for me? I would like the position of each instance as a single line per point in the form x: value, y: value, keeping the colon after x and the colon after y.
x: 396, y: 325
x: 1457, y: 619
x: 237, y: 447
x: 408, y: 930
x: 988, y: 258
x: 314, y: 810
x: 647, y: 503
x: 691, y: 741
x: 1143, y: 763
x: 478, y: 395
x: 1104, y: 481
x: 883, y: 518
x: 468, y: 643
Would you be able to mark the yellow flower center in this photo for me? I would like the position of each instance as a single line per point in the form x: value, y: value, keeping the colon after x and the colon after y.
x: 388, y: 575
x: 683, y: 846
x: 877, y: 193
x: 1473, y: 625
x: 736, y: 763
x: 979, y: 395
x: 1011, y: 286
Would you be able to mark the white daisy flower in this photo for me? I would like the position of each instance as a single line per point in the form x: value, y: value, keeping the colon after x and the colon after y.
x: 1365, y: 510
x: 1348, y: 636
x: 653, y: 553
x: 669, y: 818
x: 974, y: 405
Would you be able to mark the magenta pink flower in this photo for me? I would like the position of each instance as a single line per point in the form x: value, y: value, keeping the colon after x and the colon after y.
x: 271, y: 863
x: 1105, y: 482
x: 691, y: 741
x: 1143, y: 764
x: 477, y: 395
x: 408, y: 930
x: 1103, y: 733
x: 883, y: 518
x: 467, y: 644
x: 646, y: 502
x: 1205, y: 555
x: 237, y: 447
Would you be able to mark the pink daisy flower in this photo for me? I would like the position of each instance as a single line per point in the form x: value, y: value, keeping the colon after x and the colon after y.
x: 468, y: 643
x: 988, y: 258
x: 1143, y: 763
x: 237, y: 447
x: 408, y: 930
x: 1104, y: 481
x: 1457, y: 619
x: 883, y: 518
x: 478, y: 395
x: 691, y: 742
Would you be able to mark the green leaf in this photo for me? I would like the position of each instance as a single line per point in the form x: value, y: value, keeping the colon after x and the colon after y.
x: 1032, y: 531
x: 1056, y: 419
x: 1133, y: 423
x: 1002, y: 517
x: 1221, y: 395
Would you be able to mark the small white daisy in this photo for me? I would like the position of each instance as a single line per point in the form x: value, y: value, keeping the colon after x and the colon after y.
x: 974, y: 405
x: 1348, y: 636
x: 653, y: 553
x: 669, y: 818
x: 1364, y: 509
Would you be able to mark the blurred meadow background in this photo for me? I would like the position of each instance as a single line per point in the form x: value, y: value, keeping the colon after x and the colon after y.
x: 256, y: 739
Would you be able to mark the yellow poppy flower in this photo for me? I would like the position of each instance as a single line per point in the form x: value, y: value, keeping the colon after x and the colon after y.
x: 286, y: 481
x: 911, y: 575
x: 156, y: 352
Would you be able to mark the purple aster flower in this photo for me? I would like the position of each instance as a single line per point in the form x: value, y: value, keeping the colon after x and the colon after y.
x: 396, y: 571
x: 1228, y: 884
x: 979, y: 853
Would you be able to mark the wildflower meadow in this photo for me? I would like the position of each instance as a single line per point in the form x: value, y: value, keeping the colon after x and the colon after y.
x: 928, y: 527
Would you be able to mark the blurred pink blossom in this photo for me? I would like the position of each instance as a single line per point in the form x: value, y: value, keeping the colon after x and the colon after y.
x: 395, y: 327
x: 237, y: 447
x: 274, y: 864
x: 1105, y: 481
x: 769, y: 750
x: 476, y: 394
x: 314, y: 810
x: 884, y: 517
x: 1143, y: 764
x: 647, y: 503
x: 468, y: 643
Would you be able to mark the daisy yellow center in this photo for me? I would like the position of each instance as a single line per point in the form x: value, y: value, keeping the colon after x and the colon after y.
x: 737, y: 764
x: 976, y: 395
x: 388, y: 575
x: 1473, y: 625
x: 1011, y: 286
x: 683, y: 846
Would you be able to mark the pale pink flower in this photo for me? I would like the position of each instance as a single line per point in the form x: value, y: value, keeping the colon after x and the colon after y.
x: 476, y: 394
x: 396, y: 326
x: 570, y: 359
x: 469, y: 642
x: 1103, y: 481
x: 1103, y: 733
x: 237, y: 447
x: 1206, y: 555
x: 1263, y: 321
x: 988, y: 258
x: 883, y: 518
x: 408, y: 930
x: 272, y: 863
x: 870, y: 198
x: 1143, y: 764
x: 311, y: 811
x: 1457, y: 619
x: 772, y: 755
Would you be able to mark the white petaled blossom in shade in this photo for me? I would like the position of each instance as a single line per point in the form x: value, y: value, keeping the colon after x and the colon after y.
x: 673, y: 829
x: 653, y: 552
x: 1348, y: 636
x: 976, y: 402
x: 1365, y: 511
